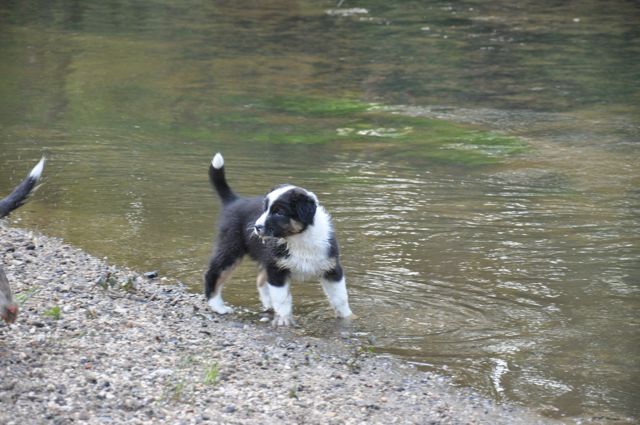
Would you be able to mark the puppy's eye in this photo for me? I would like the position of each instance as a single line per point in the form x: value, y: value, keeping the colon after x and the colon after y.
x: 277, y: 211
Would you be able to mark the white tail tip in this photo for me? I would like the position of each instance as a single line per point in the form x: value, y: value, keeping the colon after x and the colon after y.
x: 218, y: 161
x: 36, y: 172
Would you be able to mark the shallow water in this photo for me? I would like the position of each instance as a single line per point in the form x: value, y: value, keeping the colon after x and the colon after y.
x: 480, y: 161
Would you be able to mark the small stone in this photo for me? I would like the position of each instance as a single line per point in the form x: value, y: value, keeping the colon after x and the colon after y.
x: 347, y: 11
x: 160, y: 373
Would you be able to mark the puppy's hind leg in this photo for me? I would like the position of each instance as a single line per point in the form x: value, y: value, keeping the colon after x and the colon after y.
x: 220, y: 269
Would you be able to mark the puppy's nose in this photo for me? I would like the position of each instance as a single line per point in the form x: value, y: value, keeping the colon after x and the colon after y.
x: 259, y: 228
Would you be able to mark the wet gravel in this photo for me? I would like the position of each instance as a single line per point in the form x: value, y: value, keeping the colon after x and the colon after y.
x: 99, y: 344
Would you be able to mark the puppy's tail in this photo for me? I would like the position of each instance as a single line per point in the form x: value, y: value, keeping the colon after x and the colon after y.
x: 22, y: 191
x: 219, y: 182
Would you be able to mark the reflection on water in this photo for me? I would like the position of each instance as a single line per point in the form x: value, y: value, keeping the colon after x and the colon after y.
x: 509, y: 264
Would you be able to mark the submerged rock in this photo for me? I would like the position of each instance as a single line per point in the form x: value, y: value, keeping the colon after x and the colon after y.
x: 347, y: 11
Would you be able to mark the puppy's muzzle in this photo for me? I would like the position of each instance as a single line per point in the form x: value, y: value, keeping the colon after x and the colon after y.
x: 259, y: 230
x: 263, y: 232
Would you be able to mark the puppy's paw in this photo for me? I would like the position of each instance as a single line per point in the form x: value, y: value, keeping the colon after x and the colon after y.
x: 266, y: 304
x: 225, y: 309
x: 345, y: 313
x: 217, y: 305
x: 349, y: 318
x: 286, y: 320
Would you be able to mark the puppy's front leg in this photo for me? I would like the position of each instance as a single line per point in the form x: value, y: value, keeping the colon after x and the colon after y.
x: 263, y: 290
x: 282, y: 304
x: 335, y: 288
x: 278, y: 282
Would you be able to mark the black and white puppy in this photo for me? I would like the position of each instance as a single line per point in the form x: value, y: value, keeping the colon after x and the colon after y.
x: 287, y: 233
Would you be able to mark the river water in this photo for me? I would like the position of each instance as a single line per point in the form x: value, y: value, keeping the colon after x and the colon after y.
x: 480, y: 160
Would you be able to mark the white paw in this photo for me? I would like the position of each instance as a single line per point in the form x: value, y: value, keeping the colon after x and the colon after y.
x: 286, y: 320
x: 345, y: 313
x: 216, y: 304
x: 225, y: 309
x: 266, y: 303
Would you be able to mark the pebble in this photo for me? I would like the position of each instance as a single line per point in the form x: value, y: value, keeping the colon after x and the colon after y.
x: 141, y: 354
x: 347, y: 11
x: 151, y: 275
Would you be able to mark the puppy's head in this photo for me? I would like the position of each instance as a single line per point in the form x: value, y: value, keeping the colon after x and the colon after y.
x: 288, y: 210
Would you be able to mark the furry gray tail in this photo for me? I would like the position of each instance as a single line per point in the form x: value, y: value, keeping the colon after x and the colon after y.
x: 22, y: 191
x: 219, y: 182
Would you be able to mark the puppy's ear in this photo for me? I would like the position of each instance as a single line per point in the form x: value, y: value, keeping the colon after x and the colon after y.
x: 305, y: 207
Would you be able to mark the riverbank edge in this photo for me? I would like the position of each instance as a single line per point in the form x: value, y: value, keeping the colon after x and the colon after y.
x: 99, y: 343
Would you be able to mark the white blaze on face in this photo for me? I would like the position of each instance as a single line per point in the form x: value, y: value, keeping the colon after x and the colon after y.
x: 271, y: 198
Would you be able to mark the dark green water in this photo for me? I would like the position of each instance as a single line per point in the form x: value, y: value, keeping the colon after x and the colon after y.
x: 480, y: 160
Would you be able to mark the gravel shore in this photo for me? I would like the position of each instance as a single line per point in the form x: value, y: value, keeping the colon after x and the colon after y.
x: 95, y: 343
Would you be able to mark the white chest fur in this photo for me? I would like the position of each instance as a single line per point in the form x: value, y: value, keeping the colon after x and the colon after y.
x: 309, y: 250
